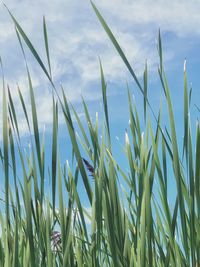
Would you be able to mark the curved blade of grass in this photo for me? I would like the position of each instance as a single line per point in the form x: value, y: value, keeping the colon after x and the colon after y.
x: 117, y: 46
x: 46, y: 45
x: 29, y: 44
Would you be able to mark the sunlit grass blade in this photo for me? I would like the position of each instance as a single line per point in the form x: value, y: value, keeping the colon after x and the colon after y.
x: 76, y: 148
x: 29, y: 44
x: 145, y: 91
x: 104, y: 89
x: 93, y: 134
x: 46, y: 45
x: 24, y: 108
x: 117, y: 46
x: 36, y: 129
x: 16, y: 245
x: 13, y: 111
x: 54, y: 151
x: 186, y: 114
x: 6, y: 156
x: 27, y: 204
x: 85, y: 138
x: 160, y: 52
x: 197, y: 169
x: 176, y: 164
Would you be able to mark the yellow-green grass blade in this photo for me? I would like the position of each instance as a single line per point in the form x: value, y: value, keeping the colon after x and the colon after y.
x: 49, y: 254
x: 197, y: 170
x: 131, y: 164
x: 6, y: 156
x: 11, y: 104
x: 35, y: 127
x: 62, y: 209
x: 70, y: 201
x: 160, y: 51
x: 109, y: 218
x: 93, y: 134
x: 186, y: 114
x: 164, y: 162
x: 33, y: 174
x: 116, y: 206
x: 16, y: 245
x: 27, y: 204
x: 80, y: 209
x: 34, y: 117
x: 105, y: 104
x: 29, y: 44
x: 46, y: 45
x: 192, y: 198
x: 145, y: 77
x: 87, y: 145
x: 24, y: 108
x: 54, y: 151
x: 76, y: 148
x: 14, y: 168
x: 117, y: 46
x: 141, y: 246
x: 176, y: 167
x: 133, y: 127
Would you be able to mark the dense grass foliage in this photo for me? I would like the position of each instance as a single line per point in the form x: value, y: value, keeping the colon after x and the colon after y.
x: 129, y: 226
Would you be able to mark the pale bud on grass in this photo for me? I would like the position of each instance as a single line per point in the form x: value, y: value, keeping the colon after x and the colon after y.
x: 127, y: 138
x: 184, y: 66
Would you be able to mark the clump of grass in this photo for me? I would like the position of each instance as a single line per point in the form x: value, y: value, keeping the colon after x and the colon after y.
x: 129, y: 227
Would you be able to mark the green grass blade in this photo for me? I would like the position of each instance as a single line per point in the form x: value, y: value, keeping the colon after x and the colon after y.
x: 76, y: 148
x: 6, y: 156
x: 145, y: 91
x: 46, y: 45
x: 29, y: 44
x: 117, y: 46
x: 104, y: 89
x: 54, y: 151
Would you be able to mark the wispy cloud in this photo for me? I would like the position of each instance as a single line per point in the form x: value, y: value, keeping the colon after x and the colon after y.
x: 77, y: 40
x: 180, y: 17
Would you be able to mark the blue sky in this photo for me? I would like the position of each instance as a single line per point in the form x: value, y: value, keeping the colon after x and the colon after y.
x: 76, y: 40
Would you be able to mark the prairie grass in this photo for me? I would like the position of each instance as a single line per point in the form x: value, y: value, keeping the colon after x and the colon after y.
x: 133, y: 226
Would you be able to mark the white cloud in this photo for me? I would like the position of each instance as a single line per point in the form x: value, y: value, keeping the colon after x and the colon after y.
x: 76, y: 39
x: 177, y: 16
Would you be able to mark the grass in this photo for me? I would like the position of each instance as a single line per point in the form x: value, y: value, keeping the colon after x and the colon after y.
x: 130, y: 226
